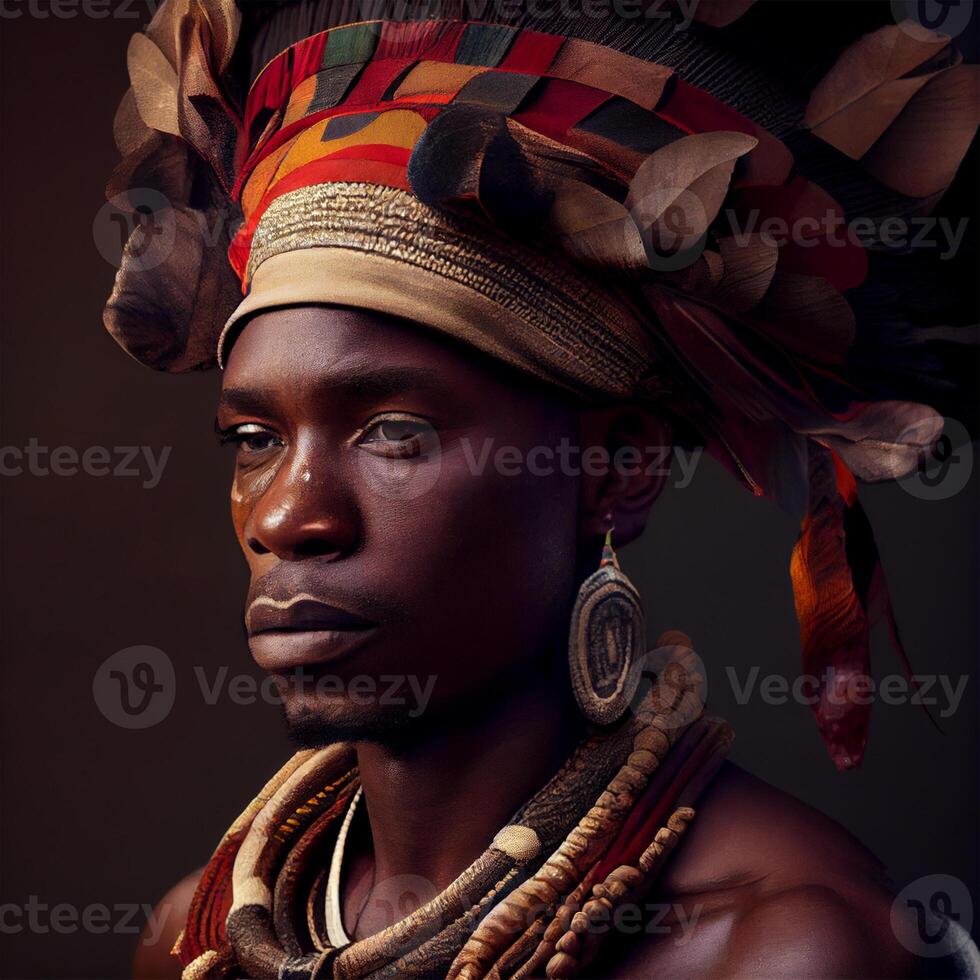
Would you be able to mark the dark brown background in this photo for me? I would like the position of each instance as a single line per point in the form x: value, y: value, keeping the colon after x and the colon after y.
x: 95, y: 814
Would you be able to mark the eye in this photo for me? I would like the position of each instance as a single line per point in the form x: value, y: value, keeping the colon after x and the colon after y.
x: 399, y: 437
x: 250, y: 438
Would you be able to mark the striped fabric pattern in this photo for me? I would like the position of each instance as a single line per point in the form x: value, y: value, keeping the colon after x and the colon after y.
x: 351, y: 103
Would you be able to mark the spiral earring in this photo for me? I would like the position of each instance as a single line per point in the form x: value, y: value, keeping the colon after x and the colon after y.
x: 605, y: 656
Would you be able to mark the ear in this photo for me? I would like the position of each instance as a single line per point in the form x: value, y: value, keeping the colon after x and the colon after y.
x: 636, y: 450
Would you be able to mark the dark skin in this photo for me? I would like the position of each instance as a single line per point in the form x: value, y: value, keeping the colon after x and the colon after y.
x: 356, y: 483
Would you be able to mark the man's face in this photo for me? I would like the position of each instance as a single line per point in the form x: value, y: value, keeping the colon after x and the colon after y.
x: 401, y: 567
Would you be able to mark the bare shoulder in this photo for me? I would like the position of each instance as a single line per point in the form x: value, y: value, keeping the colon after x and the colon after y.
x: 764, y: 885
x: 746, y: 829
x: 153, y: 960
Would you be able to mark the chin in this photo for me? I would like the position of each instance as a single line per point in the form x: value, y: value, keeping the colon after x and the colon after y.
x: 315, y: 725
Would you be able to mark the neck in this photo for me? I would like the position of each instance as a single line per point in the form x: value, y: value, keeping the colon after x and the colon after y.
x: 435, y: 803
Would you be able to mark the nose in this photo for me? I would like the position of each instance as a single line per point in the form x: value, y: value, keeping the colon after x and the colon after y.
x: 302, y: 515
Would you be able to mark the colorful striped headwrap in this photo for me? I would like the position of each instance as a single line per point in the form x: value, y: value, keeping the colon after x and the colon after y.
x: 594, y: 213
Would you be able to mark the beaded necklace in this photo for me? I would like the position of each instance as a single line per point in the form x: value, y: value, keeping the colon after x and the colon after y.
x: 593, y: 838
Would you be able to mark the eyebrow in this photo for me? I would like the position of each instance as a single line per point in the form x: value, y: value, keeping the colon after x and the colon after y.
x: 363, y: 385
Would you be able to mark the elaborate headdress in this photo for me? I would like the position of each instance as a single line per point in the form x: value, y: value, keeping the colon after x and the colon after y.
x: 594, y: 201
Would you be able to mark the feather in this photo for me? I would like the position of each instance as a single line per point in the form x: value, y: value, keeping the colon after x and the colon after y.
x: 808, y: 317
x: 868, y: 87
x: 922, y: 150
x: 747, y: 273
x: 154, y: 85
x: 678, y: 190
x: 595, y: 229
x: 834, y: 626
x: 132, y: 136
x: 901, y: 103
x: 885, y: 440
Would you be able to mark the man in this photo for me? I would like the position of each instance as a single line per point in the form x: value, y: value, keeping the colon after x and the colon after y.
x: 757, y: 866
x: 385, y: 340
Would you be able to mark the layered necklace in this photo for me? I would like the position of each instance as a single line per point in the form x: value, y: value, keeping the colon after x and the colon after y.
x: 333, y: 917
x: 591, y: 839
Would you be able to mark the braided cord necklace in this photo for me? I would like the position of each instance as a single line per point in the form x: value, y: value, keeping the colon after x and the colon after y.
x: 593, y: 837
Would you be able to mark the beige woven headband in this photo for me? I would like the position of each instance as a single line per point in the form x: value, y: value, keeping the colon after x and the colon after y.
x: 379, y: 248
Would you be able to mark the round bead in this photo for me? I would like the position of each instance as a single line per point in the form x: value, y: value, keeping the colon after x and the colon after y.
x: 519, y: 843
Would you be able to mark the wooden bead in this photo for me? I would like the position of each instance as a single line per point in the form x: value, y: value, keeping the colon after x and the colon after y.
x: 652, y: 740
x: 554, y: 931
x: 561, y: 966
x: 644, y: 761
x: 543, y: 891
x: 614, y: 890
x: 680, y: 818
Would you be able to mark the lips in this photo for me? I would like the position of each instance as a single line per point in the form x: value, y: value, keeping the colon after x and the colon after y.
x: 302, y: 633
x: 304, y: 615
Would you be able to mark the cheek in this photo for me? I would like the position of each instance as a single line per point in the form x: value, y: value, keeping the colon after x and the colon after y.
x: 239, y: 514
x: 488, y: 556
x: 239, y: 510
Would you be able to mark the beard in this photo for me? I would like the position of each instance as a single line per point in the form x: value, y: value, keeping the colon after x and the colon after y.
x: 314, y: 721
x: 312, y: 729
x: 316, y: 717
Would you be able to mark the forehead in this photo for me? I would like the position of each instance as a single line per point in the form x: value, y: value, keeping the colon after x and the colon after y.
x: 306, y: 349
x: 293, y: 342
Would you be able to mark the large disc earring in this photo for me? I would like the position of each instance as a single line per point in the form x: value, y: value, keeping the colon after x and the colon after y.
x: 606, y: 640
